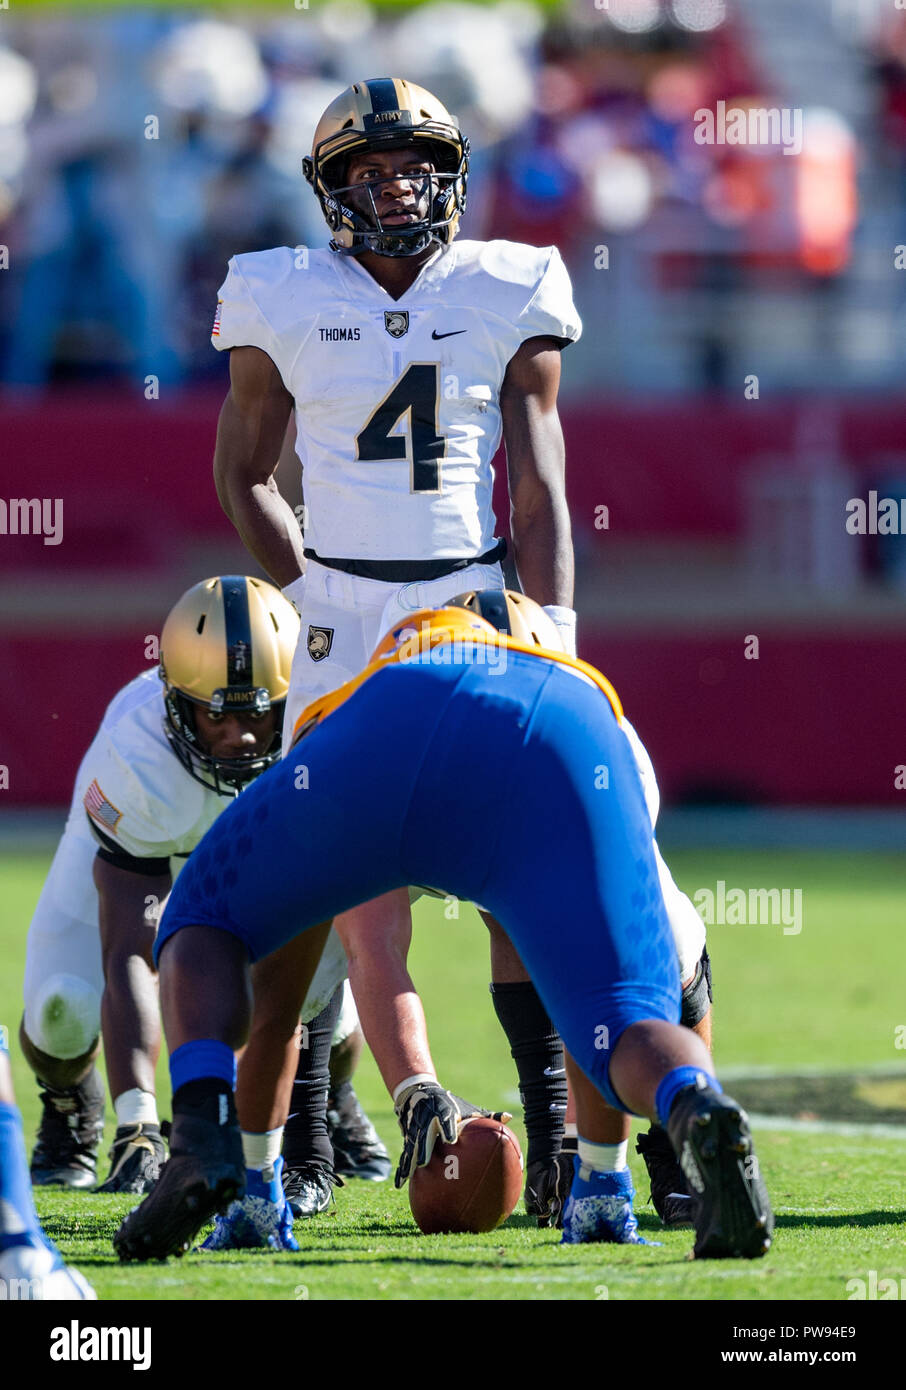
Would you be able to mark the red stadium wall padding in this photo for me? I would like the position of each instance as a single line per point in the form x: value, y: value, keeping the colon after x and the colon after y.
x: 135, y: 475
x: 813, y: 720
x: 55, y: 689
x: 809, y: 722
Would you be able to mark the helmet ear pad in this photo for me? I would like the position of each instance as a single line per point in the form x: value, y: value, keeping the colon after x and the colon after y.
x: 181, y: 715
x: 335, y: 172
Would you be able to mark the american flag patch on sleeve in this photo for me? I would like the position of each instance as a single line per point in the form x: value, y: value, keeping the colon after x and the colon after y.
x: 215, y: 331
x: 100, y: 809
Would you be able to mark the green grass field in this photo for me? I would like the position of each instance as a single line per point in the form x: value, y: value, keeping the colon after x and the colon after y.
x: 829, y: 997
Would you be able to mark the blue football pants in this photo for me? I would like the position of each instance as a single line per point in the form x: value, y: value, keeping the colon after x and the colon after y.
x: 516, y: 789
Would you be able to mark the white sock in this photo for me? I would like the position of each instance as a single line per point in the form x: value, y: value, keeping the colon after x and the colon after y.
x: 262, y: 1150
x: 570, y: 1131
x: 136, y: 1107
x: 603, y: 1158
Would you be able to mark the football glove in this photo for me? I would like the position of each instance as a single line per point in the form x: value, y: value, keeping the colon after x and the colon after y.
x: 426, y: 1113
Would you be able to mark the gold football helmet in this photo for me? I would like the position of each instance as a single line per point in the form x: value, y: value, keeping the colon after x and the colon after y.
x: 428, y: 627
x: 387, y: 113
x: 227, y: 645
x: 513, y: 614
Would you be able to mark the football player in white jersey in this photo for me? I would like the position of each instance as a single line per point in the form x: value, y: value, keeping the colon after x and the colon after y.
x: 405, y: 356
x: 173, y: 749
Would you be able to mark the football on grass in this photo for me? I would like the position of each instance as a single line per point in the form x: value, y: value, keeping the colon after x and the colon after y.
x: 470, y: 1186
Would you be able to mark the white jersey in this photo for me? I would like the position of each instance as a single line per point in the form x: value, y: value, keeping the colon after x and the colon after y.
x: 142, y: 799
x: 397, y: 401
x: 133, y: 786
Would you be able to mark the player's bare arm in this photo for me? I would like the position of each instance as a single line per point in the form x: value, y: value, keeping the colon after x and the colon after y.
x: 539, y: 518
x: 376, y: 938
x: 130, y: 1013
x: 250, y: 434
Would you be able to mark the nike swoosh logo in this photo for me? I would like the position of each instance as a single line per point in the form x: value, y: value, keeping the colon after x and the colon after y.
x: 453, y: 334
x: 554, y: 1071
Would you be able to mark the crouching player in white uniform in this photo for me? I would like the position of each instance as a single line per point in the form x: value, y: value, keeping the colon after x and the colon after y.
x: 174, y: 748
x: 406, y: 356
x: 400, y: 759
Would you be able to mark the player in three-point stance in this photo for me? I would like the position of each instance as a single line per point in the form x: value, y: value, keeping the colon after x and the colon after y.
x: 175, y: 746
x: 405, y: 355
x: 399, y: 761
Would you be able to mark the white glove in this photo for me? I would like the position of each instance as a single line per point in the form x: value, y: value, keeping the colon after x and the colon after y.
x: 564, y: 619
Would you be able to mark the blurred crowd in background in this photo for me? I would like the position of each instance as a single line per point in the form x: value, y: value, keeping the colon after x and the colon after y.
x: 139, y: 150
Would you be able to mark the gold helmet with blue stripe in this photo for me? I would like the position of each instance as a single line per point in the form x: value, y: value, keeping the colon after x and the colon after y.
x: 480, y: 615
x: 513, y: 614
x: 226, y: 647
x: 388, y: 113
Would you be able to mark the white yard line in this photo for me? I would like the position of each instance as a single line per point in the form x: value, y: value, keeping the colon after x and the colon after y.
x: 758, y: 1073
x: 843, y: 1127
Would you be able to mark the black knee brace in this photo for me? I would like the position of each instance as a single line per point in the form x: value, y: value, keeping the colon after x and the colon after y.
x: 697, y: 995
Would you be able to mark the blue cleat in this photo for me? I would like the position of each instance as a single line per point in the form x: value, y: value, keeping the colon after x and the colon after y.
x: 599, y: 1208
x: 261, y: 1220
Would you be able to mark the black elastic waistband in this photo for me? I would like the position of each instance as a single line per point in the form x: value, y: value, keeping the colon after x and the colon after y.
x: 408, y: 571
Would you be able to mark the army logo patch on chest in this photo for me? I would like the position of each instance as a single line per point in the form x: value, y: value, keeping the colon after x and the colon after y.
x: 320, y: 641
x: 396, y: 322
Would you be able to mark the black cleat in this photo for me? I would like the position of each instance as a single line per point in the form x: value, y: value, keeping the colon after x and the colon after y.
x: 203, y: 1175
x: 669, y: 1189
x: 732, y: 1210
x: 136, y: 1159
x: 71, y: 1128
x: 357, y: 1149
x: 547, y: 1186
x: 308, y: 1187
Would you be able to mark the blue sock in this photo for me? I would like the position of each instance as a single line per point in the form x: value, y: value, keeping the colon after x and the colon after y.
x: 18, y: 1217
x: 676, y: 1081
x: 202, y: 1060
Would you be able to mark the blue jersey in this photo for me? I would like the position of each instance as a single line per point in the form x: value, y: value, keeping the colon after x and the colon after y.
x: 512, y: 788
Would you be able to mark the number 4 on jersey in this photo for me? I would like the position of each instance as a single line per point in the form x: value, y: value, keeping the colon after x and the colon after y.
x: 416, y: 394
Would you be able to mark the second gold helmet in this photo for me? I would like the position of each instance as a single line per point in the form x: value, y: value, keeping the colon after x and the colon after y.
x: 227, y: 645
x: 513, y: 614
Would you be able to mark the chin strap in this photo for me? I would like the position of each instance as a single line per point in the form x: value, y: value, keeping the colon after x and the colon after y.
x: 379, y: 251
